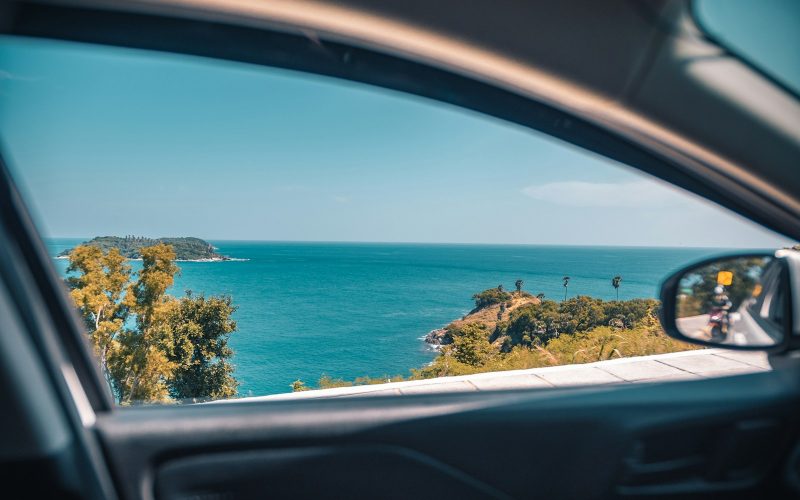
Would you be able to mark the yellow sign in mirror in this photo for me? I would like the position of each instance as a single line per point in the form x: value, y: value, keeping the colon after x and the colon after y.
x: 724, y: 278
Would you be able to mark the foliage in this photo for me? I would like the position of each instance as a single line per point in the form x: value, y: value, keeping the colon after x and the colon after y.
x: 201, y: 327
x: 141, y: 366
x: 615, y: 282
x: 604, y: 342
x: 299, y: 386
x: 377, y: 380
x: 533, y: 324
x: 490, y: 297
x: 536, y: 324
x: 470, y: 344
x: 97, y: 289
x: 599, y: 343
x: 151, y: 346
x: 130, y: 247
x: 579, y: 330
x: 327, y: 382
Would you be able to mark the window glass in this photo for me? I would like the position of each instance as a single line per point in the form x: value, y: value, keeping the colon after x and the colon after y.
x: 255, y: 231
x: 765, y: 33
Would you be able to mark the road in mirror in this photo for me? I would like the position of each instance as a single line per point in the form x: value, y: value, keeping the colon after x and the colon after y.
x: 732, y: 301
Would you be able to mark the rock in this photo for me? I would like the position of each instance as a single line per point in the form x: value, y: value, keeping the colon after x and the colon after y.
x: 438, y: 337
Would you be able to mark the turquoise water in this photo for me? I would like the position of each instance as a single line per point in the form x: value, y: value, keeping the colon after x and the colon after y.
x: 352, y: 309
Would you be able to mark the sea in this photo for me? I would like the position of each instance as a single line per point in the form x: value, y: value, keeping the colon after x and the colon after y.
x: 351, y: 309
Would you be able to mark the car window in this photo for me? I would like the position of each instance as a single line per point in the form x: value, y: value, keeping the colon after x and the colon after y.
x: 764, y: 33
x: 228, y: 230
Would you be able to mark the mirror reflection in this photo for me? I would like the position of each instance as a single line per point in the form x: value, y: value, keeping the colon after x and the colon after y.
x: 733, y: 301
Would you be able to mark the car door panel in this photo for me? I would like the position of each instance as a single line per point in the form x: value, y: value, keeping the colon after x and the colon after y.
x: 627, y: 441
x: 344, y: 471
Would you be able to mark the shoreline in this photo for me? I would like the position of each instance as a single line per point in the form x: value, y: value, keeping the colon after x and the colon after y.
x: 227, y: 259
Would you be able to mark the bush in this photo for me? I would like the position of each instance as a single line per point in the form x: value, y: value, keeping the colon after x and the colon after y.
x: 327, y: 382
x: 490, y: 297
x: 299, y: 386
x: 471, y: 344
x: 533, y: 324
x: 537, y: 324
x: 600, y: 343
x: 579, y: 330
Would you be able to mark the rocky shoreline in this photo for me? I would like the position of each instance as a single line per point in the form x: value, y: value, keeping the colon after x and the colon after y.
x: 487, y: 315
x: 438, y: 338
x: 218, y: 259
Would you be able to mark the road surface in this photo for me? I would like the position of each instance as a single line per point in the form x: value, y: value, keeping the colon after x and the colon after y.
x: 743, y: 331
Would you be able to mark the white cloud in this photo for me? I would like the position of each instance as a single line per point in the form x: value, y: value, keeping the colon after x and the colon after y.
x: 341, y: 199
x: 601, y: 194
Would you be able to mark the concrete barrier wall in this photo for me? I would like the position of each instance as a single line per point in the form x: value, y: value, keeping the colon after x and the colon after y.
x: 657, y: 368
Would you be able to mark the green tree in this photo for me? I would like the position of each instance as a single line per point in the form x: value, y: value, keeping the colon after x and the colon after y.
x: 97, y: 291
x: 201, y: 327
x: 490, y: 297
x: 176, y: 348
x: 518, y: 284
x: 142, y: 366
x: 629, y: 312
x: 471, y: 344
x: 565, y: 279
x: 534, y: 324
x: 581, y: 313
x: 537, y: 324
x: 615, y: 282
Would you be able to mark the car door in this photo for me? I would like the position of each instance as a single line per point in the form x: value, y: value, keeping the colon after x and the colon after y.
x: 733, y: 436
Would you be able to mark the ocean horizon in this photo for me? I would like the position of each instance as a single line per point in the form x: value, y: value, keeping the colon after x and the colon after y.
x: 349, y: 309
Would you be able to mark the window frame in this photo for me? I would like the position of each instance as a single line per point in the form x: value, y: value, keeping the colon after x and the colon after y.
x: 344, y: 60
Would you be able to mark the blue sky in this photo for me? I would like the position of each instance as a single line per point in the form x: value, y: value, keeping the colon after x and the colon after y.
x: 108, y: 141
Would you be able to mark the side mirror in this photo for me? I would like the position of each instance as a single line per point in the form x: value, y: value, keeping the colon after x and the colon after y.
x: 737, y: 302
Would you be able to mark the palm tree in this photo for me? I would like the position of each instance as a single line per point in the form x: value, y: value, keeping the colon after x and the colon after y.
x: 518, y: 284
x: 566, y: 284
x: 615, y: 281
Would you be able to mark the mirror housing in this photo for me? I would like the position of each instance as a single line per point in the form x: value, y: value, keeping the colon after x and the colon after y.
x: 742, y: 301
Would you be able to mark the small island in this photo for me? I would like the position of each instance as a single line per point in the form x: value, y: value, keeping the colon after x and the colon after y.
x: 186, y: 249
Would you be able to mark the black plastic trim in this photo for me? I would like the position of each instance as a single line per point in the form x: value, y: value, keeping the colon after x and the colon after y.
x: 59, y: 344
x: 20, y: 226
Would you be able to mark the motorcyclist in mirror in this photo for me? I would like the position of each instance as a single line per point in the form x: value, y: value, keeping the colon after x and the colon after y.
x: 718, y: 318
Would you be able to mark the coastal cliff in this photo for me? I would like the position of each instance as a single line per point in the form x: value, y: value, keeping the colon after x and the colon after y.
x: 487, y: 313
